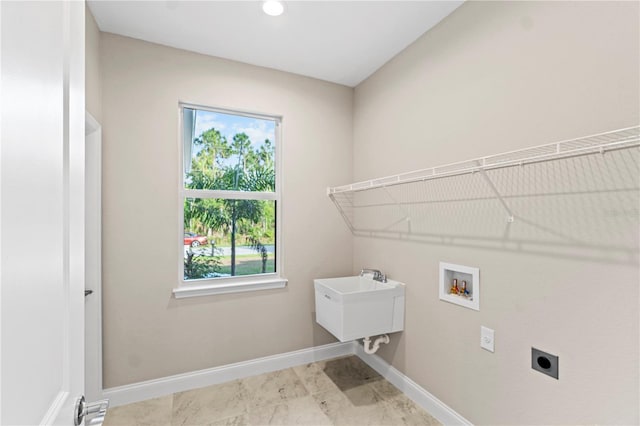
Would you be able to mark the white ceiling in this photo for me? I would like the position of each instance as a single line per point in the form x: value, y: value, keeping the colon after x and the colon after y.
x: 339, y: 41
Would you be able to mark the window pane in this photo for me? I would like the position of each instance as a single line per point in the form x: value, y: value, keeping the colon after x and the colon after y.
x: 228, y: 152
x: 224, y: 238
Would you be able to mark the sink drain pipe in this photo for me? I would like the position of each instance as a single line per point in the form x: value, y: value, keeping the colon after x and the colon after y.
x: 376, y: 343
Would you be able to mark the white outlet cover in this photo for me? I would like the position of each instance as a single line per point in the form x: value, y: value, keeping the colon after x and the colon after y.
x: 487, y: 338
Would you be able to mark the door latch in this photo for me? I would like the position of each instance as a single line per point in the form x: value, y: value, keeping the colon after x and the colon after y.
x: 94, y: 412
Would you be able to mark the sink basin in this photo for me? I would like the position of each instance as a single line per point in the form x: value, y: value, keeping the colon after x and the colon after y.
x: 355, y: 307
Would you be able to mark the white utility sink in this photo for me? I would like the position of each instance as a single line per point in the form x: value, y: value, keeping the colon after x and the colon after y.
x: 355, y: 307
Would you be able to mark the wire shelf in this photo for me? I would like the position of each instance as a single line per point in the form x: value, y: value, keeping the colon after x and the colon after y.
x: 563, y: 198
x: 598, y: 143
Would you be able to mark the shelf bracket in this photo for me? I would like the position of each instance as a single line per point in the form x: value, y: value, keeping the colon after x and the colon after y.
x: 483, y: 173
x: 405, y: 213
x: 342, y: 212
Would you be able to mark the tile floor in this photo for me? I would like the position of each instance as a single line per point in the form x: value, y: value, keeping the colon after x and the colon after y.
x: 341, y: 391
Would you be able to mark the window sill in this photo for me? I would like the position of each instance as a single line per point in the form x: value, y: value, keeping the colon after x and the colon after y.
x: 238, y: 287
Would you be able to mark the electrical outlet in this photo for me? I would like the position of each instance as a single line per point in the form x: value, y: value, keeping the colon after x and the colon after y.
x: 544, y: 362
x: 487, y: 338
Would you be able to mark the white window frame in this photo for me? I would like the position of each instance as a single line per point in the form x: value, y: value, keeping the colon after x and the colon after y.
x: 211, y: 286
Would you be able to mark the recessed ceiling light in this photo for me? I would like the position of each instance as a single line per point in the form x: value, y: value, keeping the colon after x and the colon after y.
x: 273, y: 7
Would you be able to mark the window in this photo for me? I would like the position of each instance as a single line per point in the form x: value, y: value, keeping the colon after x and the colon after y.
x: 229, y: 202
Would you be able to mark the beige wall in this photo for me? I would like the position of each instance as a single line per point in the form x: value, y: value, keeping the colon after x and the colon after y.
x: 93, y: 86
x: 147, y: 333
x: 494, y: 77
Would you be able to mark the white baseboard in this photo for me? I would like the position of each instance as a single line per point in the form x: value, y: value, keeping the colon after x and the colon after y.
x: 141, y: 391
x: 438, y: 409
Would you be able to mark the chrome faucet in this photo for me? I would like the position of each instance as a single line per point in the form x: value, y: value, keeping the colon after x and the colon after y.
x: 377, y: 275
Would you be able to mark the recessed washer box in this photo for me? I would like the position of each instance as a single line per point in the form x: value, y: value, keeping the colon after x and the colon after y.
x: 356, y: 307
x: 460, y: 285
